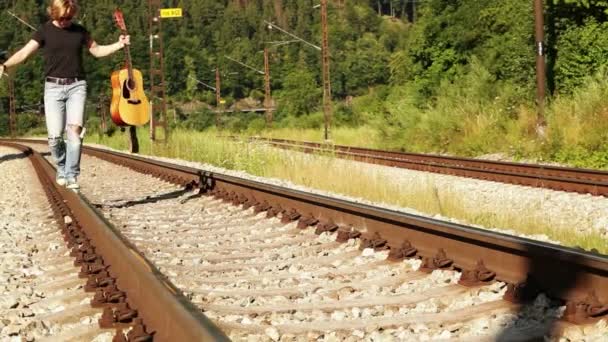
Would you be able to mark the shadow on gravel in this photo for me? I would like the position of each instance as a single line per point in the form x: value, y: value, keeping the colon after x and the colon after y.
x: 149, y: 199
x: 9, y: 157
x: 538, y: 304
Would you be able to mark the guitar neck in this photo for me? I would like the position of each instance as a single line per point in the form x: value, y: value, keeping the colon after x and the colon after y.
x: 128, y: 58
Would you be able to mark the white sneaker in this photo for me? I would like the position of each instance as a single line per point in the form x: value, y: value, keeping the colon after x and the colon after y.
x: 72, y: 184
x: 60, y: 181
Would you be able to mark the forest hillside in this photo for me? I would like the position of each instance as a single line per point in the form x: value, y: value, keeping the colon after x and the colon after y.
x: 432, y: 76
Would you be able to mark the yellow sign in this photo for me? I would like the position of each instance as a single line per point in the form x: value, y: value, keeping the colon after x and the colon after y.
x: 222, y: 101
x: 170, y: 12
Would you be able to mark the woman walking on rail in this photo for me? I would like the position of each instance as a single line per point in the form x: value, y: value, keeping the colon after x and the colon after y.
x: 65, y: 87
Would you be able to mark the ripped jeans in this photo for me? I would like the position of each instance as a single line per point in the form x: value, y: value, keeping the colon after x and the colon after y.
x: 64, y: 110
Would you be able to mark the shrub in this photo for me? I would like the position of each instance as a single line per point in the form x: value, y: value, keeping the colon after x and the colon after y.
x: 199, y: 120
x: 583, y: 50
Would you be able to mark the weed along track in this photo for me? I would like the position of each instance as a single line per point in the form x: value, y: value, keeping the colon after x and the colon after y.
x: 264, y: 262
x: 582, y: 181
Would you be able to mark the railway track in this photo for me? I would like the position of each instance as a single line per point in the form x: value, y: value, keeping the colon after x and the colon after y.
x: 136, y: 301
x: 41, y: 292
x: 585, y: 181
x: 269, y: 263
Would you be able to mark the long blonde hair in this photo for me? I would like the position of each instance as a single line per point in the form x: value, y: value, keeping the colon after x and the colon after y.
x: 62, y: 8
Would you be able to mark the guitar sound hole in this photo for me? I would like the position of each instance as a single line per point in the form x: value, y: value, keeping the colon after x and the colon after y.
x: 131, y: 84
x: 126, y: 92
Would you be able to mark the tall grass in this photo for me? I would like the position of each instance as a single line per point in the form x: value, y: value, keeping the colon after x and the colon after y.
x: 344, y: 177
x: 474, y: 116
x: 578, y: 125
x: 363, y: 136
x: 479, y: 115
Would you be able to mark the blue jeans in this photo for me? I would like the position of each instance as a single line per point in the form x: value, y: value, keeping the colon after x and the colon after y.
x: 64, y: 106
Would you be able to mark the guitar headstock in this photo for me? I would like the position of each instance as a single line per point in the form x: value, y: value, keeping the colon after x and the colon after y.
x: 120, y: 21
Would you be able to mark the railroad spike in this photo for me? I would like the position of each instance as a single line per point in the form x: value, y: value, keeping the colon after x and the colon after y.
x: 242, y: 199
x: 523, y: 292
x: 274, y: 211
x: 588, y: 310
x: 261, y: 207
x: 99, y: 281
x: 251, y: 202
x: 85, y: 246
x: 374, y: 241
x: 119, y: 336
x: 123, y: 313
x: 99, y: 299
x: 138, y: 333
x: 88, y: 269
x: 290, y: 216
x: 323, y: 227
x: 346, y: 234
x: 231, y: 197
x: 107, y: 319
x: 236, y: 199
x: 307, y: 221
x: 439, y: 261
x: 480, y: 275
x: 405, y: 251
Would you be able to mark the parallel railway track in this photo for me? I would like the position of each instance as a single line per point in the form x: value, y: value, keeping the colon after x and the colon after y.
x: 246, y: 253
x: 583, y: 181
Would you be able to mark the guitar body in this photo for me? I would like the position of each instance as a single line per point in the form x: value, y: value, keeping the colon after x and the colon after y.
x: 130, y: 106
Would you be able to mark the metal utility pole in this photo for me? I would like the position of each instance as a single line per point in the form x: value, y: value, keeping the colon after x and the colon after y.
x: 325, y: 61
x: 326, y: 81
x: 267, y: 95
x: 102, y: 113
x: 12, y: 116
x: 218, y: 96
x: 266, y: 73
x: 540, y: 63
x: 158, y: 102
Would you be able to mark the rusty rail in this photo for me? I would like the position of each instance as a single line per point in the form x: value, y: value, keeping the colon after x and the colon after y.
x: 166, y: 313
x: 583, y: 181
x: 565, y: 273
x: 577, y: 277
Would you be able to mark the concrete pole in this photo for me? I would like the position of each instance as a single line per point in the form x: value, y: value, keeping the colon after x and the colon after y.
x: 326, y: 80
x: 218, y: 96
x: 539, y: 32
x: 268, y: 96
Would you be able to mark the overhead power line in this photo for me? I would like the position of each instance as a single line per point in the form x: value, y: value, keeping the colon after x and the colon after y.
x: 201, y: 82
x: 271, y: 25
x: 245, y: 65
x: 21, y: 20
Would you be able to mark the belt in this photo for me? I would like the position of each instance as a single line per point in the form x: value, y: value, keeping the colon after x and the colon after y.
x: 63, y: 81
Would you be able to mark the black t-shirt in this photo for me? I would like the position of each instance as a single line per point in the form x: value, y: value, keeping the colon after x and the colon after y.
x: 62, y: 49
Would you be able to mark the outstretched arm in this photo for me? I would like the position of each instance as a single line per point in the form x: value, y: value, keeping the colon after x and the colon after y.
x: 106, y: 50
x: 20, y: 56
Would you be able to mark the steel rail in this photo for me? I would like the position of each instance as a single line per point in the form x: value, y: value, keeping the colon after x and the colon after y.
x: 594, y: 182
x: 575, y: 276
x: 164, y: 309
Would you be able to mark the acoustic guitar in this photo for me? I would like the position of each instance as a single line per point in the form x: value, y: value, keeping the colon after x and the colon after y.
x: 129, y: 105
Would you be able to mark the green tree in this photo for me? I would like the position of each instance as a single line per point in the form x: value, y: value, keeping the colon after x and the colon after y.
x: 301, y: 94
